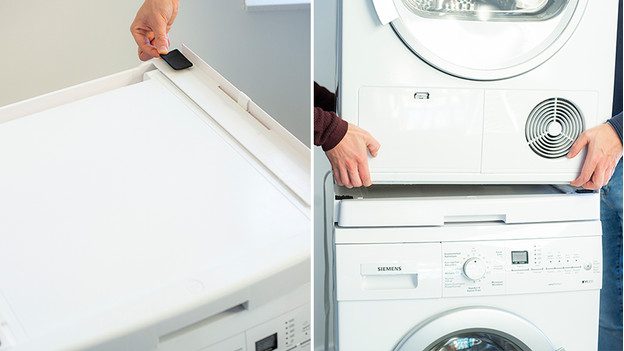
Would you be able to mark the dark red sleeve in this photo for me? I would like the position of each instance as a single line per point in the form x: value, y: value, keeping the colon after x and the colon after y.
x: 324, y: 98
x: 329, y: 129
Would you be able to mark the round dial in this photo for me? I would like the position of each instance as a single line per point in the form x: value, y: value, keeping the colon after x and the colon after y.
x: 474, y: 268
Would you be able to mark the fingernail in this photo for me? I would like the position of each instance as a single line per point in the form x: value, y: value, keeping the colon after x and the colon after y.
x: 162, y: 50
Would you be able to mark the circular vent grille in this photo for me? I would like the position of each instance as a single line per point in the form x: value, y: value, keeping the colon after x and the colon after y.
x: 553, y: 126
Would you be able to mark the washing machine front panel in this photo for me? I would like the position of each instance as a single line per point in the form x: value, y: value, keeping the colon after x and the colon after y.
x: 486, y: 40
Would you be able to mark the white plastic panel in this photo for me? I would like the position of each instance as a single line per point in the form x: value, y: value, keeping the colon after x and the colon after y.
x: 423, y: 129
x: 236, y: 343
x: 505, y: 147
x: 427, y: 211
x: 112, y: 202
x: 472, y: 231
x: 264, y: 138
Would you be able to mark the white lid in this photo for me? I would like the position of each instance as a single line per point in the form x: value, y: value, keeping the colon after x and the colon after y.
x: 132, y: 206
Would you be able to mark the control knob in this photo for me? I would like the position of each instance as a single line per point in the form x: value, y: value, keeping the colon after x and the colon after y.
x: 474, y: 268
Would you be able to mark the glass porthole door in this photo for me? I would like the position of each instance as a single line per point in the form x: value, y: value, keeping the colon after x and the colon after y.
x: 485, y: 39
x: 475, y: 329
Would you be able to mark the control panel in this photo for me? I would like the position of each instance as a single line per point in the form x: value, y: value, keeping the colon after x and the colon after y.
x: 288, y: 332
x: 521, y: 266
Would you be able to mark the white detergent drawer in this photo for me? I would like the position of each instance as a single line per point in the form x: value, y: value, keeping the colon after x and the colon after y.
x: 388, y: 271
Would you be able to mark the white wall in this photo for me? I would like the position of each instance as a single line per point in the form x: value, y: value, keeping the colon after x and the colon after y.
x: 49, y: 45
x: 266, y: 54
x: 325, y: 75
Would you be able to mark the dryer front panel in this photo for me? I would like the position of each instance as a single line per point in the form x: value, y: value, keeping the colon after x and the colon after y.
x: 446, y: 135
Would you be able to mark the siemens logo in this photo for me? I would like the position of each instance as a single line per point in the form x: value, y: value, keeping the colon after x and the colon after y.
x: 389, y: 269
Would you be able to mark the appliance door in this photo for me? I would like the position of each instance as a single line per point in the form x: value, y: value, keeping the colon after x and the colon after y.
x: 483, y: 39
x: 475, y: 329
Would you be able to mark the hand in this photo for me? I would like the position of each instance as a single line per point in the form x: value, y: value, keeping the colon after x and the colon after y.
x: 349, y: 158
x: 151, y: 25
x: 604, y: 150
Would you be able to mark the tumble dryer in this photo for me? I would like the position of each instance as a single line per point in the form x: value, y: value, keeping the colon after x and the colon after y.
x: 467, y: 267
x: 153, y: 209
x: 476, y: 91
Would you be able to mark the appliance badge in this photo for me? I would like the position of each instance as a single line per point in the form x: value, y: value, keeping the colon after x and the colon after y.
x: 589, y: 281
x: 389, y: 268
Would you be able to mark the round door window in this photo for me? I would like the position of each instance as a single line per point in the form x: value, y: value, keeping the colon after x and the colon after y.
x: 477, y: 341
x: 486, y: 39
x: 475, y: 329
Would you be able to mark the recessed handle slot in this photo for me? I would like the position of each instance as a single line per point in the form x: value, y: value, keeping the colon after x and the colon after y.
x: 475, y: 218
x: 389, y: 275
x: 390, y: 282
x: 204, y: 322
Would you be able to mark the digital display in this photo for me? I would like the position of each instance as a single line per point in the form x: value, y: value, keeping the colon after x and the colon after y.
x: 519, y: 257
x: 267, y: 344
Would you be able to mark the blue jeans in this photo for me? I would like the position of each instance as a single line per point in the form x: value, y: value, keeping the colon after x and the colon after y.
x: 610, y: 332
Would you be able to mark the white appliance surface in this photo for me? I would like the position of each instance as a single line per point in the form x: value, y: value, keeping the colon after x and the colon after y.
x: 134, y: 210
x: 458, y: 92
x: 531, y: 281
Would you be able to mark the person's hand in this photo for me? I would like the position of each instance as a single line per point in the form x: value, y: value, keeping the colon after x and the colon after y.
x: 349, y: 158
x: 151, y: 25
x: 604, y: 150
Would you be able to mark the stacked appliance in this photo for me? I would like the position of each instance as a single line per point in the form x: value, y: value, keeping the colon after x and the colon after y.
x: 469, y: 238
x: 153, y: 209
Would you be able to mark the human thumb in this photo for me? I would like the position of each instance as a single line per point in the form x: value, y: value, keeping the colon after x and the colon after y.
x: 160, y: 41
x: 373, y: 146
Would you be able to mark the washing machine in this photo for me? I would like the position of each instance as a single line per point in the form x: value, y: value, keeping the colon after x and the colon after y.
x: 467, y: 267
x: 476, y: 91
x: 154, y: 209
